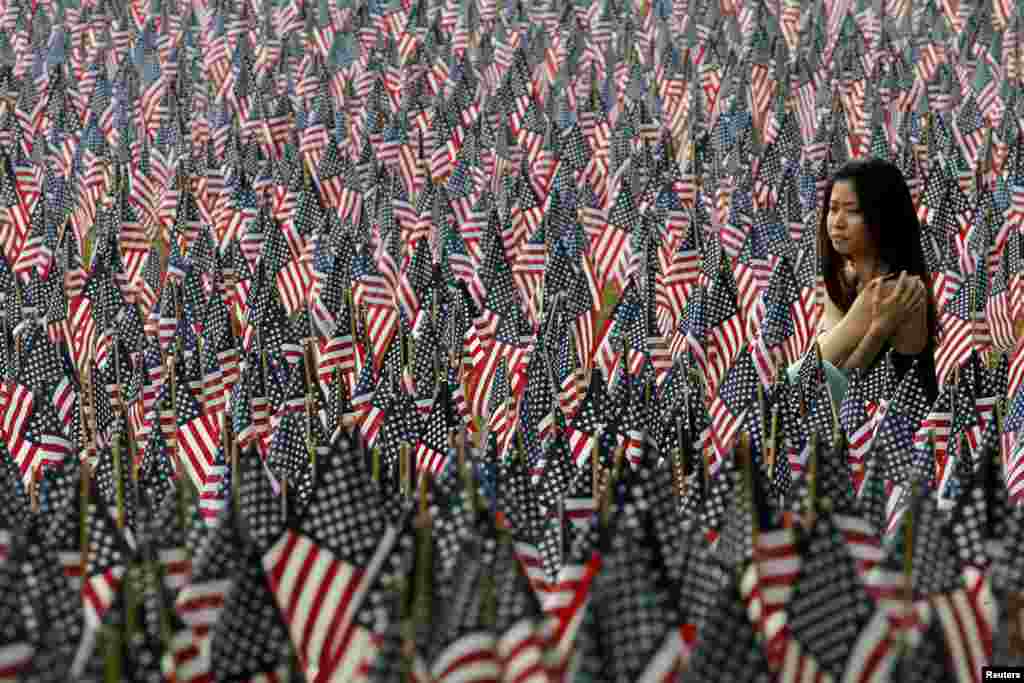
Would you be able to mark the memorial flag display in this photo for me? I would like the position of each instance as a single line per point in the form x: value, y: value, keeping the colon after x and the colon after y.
x: 447, y: 340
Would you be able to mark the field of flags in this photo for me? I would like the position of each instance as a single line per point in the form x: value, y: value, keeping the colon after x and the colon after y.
x: 414, y: 340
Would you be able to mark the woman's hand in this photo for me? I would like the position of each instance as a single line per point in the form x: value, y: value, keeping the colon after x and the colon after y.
x: 862, y: 313
x: 893, y: 303
x: 844, y: 332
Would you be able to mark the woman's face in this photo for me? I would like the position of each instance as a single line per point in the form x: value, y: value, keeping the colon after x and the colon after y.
x: 846, y: 228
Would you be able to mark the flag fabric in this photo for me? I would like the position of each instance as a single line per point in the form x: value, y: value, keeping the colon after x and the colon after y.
x: 897, y: 426
x: 730, y: 405
x: 217, y: 560
x: 17, y: 652
x: 815, y: 598
x: 289, y: 454
x: 782, y: 326
x: 249, y: 637
x: 108, y: 558
x: 727, y: 642
x: 347, y: 556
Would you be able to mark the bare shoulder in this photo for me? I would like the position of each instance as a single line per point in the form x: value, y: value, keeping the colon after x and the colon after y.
x: 831, y: 314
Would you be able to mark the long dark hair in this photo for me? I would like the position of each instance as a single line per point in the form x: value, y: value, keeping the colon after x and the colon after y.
x: 884, y: 200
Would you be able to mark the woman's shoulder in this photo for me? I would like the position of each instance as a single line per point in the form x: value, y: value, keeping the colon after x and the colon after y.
x: 832, y: 312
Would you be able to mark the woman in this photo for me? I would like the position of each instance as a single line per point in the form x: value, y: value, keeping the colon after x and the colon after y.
x: 877, y: 297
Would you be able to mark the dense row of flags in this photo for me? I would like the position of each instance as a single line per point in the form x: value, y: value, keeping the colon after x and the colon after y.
x: 447, y: 341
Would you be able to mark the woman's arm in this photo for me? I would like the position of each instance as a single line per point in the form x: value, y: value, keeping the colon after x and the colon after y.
x: 899, y: 316
x: 911, y: 337
x: 867, y: 349
x: 835, y: 343
x: 845, y: 335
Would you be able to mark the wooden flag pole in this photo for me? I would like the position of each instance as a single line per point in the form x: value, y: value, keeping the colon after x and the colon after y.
x: 424, y: 558
x: 131, y: 603
x: 744, y: 451
x: 464, y: 470
x: 310, y: 402
x: 812, y: 481
x: 908, y: 560
x: 620, y: 456
x: 111, y: 640
x: 679, y: 462
x: 403, y: 469
x: 236, y: 490
x: 407, y: 627
x: 706, y: 467
x: 352, y: 322
x: 37, y: 477
x: 84, y: 477
x: 419, y: 611
x: 183, y: 491
x: 84, y: 405
x: 173, y: 436
x: 263, y: 358
x: 437, y: 352
x: 115, y: 449
x: 338, y: 379
x: 762, y: 412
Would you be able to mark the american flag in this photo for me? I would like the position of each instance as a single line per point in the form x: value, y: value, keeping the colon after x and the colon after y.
x: 616, y: 612
x: 568, y: 374
x: 586, y: 426
x: 294, y: 282
x: 290, y: 448
x: 783, y: 325
x: 957, y: 339
x: 165, y: 530
x: 331, y: 174
x: 998, y: 311
x: 51, y: 599
x: 730, y: 405
x: 432, y: 450
x: 683, y: 272
x: 36, y: 435
x: 249, y: 640
x: 215, y: 565
x: 371, y: 289
x: 323, y: 610
x: 967, y: 621
x: 108, y: 559
x: 528, y: 271
x: 897, y: 426
x: 727, y: 642
x: 862, y: 408
x: 17, y: 653
x: 725, y: 328
x: 466, y: 649
x: 753, y: 272
x: 1015, y: 458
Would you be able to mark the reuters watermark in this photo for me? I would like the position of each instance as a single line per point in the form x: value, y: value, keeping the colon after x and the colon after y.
x: 1002, y: 673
